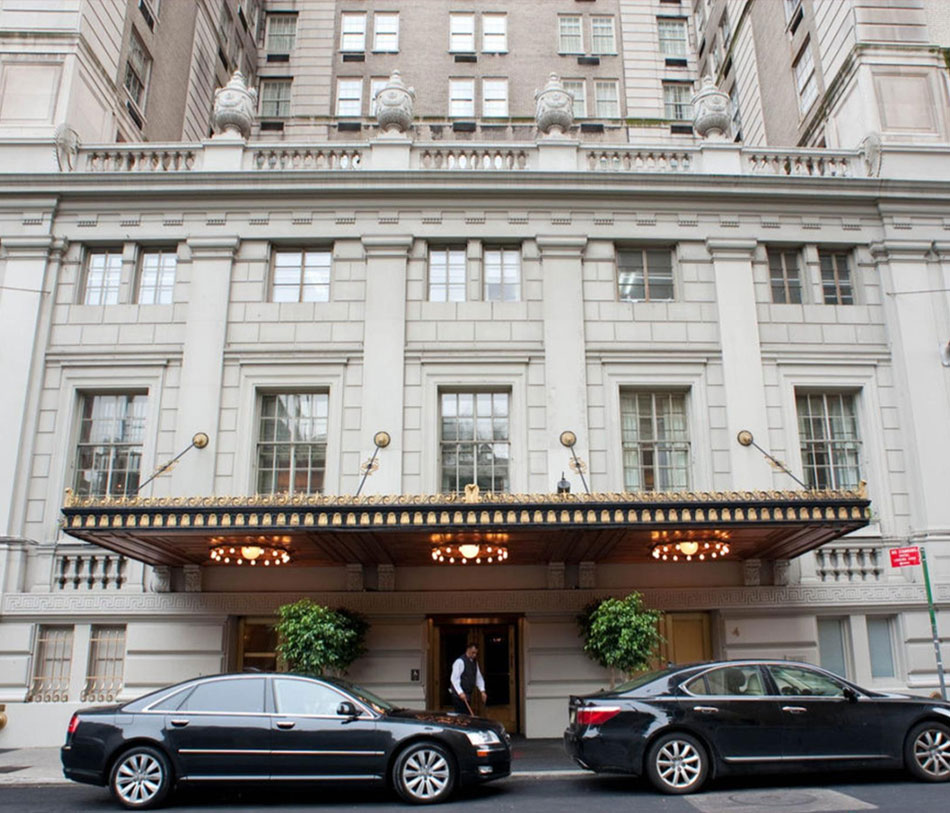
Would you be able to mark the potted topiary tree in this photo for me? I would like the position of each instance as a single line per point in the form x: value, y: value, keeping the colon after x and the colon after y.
x: 315, y: 640
x: 621, y: 634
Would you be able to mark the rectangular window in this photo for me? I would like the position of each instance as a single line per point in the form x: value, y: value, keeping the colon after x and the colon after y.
x: 645, y: 274
x: 783, y: 275
x: 462, y: 98
x: 570, y: 35
x: 736, y: 114
x: 791, y: 6
x: 831, y: 645
x: 602, y: 39
x: 292, y: 443
x: 676, y: 101
x: 447, y: 275
x: 275, y: 98
x: 375, y: 86
x: 502, y: 275
x: 281, y: 33
x: 52, y: 660
x: 494, y: 98
x: 103, y: 273
x: 881, y: 645
x: 475, y: 443
x: 301, y: 276
x: 137, y: 67
x: 578, y: 89
x: 835, y: 278
x: 106, y: 668
x: 655, y: 441
x: 672, y: 35
x: 725, y: 28
x: 157, y: 278
x: 830, y: 445
x: 349, y: 97
x: 109, y: 453
x: 386, y: 32
x: 353, y: 32
x: 462, y: 33
x: 495, y: 33
x: 805, y: 78
x: 606, y: 99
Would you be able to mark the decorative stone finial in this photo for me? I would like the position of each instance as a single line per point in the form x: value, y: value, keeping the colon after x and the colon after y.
x: 555, y: 108
x: 394, y: 105
x: 711, y: 115
x: 234, y: 108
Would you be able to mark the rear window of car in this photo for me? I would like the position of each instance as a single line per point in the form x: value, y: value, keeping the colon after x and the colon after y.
x: 237, y: 695
x: 172, y: 702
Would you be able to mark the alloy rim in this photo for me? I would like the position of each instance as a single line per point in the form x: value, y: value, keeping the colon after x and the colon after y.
x: 679, y: 764
x: 138, y: 778
x: 425, y: 774
x: 932, y: 752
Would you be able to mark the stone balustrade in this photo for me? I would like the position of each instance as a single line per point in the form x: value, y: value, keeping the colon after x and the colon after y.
x: 647, y: 160
x: 468, y: 157
x: 84, y: 570
x: 805, y: 163
x: 136, y: 158
x: 305, y: 158
x: 850, y: 563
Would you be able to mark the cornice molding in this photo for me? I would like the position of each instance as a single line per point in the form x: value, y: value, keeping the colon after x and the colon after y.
x: 387, y: 245
x: 557, y: 245
x: 731, y: 249
x: 210, y: 248
x: 28, y: 245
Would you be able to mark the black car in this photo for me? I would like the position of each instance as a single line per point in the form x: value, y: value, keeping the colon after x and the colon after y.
x: 684, y: 725
x: 278, y: 728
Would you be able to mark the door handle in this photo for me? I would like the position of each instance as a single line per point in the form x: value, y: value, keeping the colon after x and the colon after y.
x: 706, y: 709
x: 180, y: 723
x: 794, y: 709
x: 286, y: 724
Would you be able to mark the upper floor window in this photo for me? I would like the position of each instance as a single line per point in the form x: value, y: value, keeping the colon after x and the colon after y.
x: 137, y: 66
x: 502, y: 275
x: 578, y: 90
x: 606, y: 99
x: 292, y: 443
x: 281, y: 33
x: 375, y: 86
x: 791, y: 6
x: 52, y: 664
x: 655, y: 440
x: 602, y: 37
x: 349, y: 97
x: 109, y: 452
x: 447, y: 274
x: 462, y: 98
x: 725, y: 28
x: 157, y: 277
x: 475, y: 443
x: 835, y: 278
x: 673, y: 40
x: 676, y: 101
x: 353, y: 32
x: 494, y: 33
x: 301, y: 276
x: 645, y: 274
x: 736, y: 113
x: 494, y: 98
x: 103, y: 273
x: 805, y: 78
x: 784, y: 277
x: 275, y: 98
x: 386, y: 32
x: 462, y: 33
x: 830, y: 445
x: 570, y: 35
x: 106, y: 666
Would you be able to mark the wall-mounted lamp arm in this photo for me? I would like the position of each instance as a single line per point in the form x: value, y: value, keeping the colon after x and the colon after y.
x: 745, y: 439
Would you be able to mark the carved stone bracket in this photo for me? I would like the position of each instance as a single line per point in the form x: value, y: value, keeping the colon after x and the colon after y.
x: 555, y: 575
x: 752, y: 572
x: 354, y: 577
x: 385, y: 578
x: 587, y: 575
x: 780, y: 571
x: 192, y: 578
x: 160, y: 580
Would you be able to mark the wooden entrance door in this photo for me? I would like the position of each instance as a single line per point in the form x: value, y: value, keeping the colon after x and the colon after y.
x: 687, y: 638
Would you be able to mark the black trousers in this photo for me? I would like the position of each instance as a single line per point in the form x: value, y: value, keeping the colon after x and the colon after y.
x: 459, y: 705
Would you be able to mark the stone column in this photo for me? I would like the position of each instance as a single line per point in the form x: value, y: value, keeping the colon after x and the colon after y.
x: 199, y: 397
x: 565, y: 362
x: 384, y: 350
x: 741, y: 360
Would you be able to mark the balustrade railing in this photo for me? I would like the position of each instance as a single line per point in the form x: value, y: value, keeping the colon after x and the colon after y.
x: 139, y: 159
x: 89, y: 571
x: 806, y: 163
x: 849, y: 564
x: 302, y: 158
x: 459, y: 157
x: 624, y: 160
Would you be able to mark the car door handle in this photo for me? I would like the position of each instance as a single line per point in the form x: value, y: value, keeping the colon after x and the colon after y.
x: 706, y: 709
x: 794, y: 709
x: 180, y: 723
x: 285, y: 724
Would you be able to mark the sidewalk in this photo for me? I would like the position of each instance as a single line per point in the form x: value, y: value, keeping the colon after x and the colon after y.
x: 41, y: 766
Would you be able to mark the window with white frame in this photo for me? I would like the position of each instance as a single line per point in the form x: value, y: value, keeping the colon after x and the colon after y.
x: 137, y: 66
x: 494, y: 33
x: 157, y: 277
x: 805, y: 80
x: 353, y: 32
x: 570, y: 34
x: 676, y: 101
x: 673, y: 39
x: 881, y: 645
x: 606, y: 99
x: 462, y: 98
x: 502, y: 271
x: 111, y: 437
x: 655, y: 439
x: 292, y: 443
x: 52, y: 663
x: 475, y: 444
x: 602, y: 37
x: 386, y: 32
x: 301, y: 276
x: 281, y: 33
x: 102, y: 277
x: 832, y: 645
x: 645, y: 274
x: 275, y: 98
x: 836, y: 285
x: 784, y: 277
x: 830, y: 443
x: 105, y: 670
x: 462, y: 33
x: 447, y: 274
x: 578, y: 90
x: 349, y: 97
x: 494, y: 98
x: 375, y: 86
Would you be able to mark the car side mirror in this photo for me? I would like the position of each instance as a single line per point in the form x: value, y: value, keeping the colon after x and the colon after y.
x: 347, y: 709
x: 850, y: 694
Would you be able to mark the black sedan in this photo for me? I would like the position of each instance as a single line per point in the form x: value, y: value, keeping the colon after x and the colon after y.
x: 278, y: 728
x: 683, y: 725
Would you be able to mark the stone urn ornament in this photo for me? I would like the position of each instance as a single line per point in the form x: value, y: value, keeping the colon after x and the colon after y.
x: 394, y: 106
x: 555, y: 107
x: 712, y: 117
x: 234, y: 108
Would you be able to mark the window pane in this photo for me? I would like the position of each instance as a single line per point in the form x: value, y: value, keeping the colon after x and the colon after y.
x: 577, y: 89
x: 602, y: 35
x: 474, y: 442
x: 386, y: 32
x: 157, y: 279
x: 235, y: 695
x: 292, y: 443
x: 495, y: 97
x: 880, y: 641
x: 105, y: 670
x: 794, y: 681
x: 304, y: 697
x: 281, y: 33
x: 607, y: 101
x: 353, y: 32
x: 830, y: 446
x: 462, y: 97
x: 52, y: 662
x: 831, y: 645
x: 275, y: 98
x: 494, y: 33
x: 676, y: 100
x: 447, y: 275
x: 103, y: 275
x: 655, y: 440
x: 109, y: 452
x: 462, y: 32
x: 672, y: 35
x: 349, y: 100
x: 570, y: 37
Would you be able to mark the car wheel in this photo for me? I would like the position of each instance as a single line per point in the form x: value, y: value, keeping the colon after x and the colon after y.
x: 141, y: 778
x: 677, y: 763
x: 424, y: 773
x: 927, y: 752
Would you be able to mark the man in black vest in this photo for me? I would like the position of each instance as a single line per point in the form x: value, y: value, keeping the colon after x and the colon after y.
x: 466, y: 678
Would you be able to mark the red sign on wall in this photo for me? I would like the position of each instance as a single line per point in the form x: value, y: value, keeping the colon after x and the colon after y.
x: 902, y: 557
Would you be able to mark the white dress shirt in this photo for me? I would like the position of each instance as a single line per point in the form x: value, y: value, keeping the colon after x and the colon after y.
x: 457, y: 669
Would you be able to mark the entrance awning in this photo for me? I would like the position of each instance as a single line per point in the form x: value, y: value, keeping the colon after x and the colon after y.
x: 400, y: 530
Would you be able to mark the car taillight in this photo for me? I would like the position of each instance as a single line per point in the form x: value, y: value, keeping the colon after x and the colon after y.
x: 73, y: 724
x: 596, y: 715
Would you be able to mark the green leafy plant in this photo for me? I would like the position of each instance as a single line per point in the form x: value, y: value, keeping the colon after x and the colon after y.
x: 315, y: 639
x: 621, y: 634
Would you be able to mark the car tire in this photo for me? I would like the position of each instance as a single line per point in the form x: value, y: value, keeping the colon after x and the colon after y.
x: 927, y: 751
x: 424, y: 773
x: 677, y: 763
x: 141, y: 778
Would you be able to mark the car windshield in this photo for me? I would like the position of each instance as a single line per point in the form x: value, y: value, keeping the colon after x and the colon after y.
x: 641, y: 680
x: 377, y: 704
